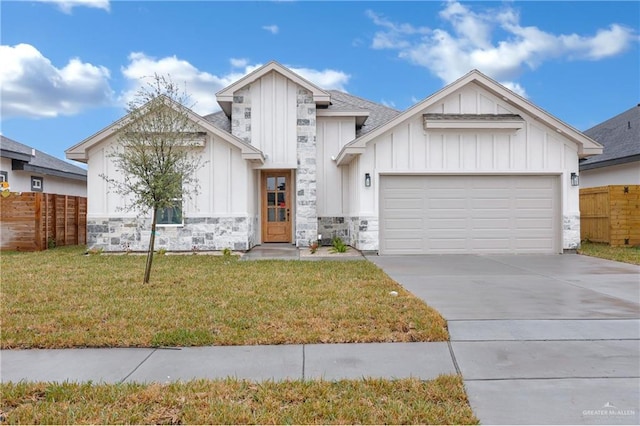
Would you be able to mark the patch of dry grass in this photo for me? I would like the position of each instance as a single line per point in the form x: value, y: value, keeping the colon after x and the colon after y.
x: 369, y: 401
x: 60, y: 299
x: 605, y: 251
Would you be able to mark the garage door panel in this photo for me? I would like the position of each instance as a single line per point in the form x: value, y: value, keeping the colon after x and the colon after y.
x: 405, y: 245
x: 447, y: 223
x: 469, y: 214
x: 497, y: 224
x: 409, y: 224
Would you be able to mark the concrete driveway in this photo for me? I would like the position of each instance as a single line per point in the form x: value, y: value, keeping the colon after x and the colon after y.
x: 538, y: 339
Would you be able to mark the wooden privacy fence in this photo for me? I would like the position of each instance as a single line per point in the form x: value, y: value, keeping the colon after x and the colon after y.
x: 611, y: 214
x: 33, y: 221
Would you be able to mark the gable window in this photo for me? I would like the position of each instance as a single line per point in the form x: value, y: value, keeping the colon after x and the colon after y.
x: 4, y: 176
x: 171, y: 215
x: 36, y: 184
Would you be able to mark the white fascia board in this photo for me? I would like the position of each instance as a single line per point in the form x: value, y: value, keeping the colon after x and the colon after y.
x: 473, y: 125
x: 348, y: 153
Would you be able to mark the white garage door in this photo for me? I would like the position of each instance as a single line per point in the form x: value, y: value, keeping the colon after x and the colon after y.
x: 469, y: 214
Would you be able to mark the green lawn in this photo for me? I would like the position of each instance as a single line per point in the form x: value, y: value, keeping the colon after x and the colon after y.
x: 604, y: 251
x: 61, y: 298
x: 370, y: 401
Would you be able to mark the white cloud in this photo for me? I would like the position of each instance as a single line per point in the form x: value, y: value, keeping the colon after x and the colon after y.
x: 470, y: 43
x: 202, y: 86
x: 326, y: 79
x: 31, y: 86
x: 238, y: 62
x: 67, y: 5
x: 273, y: 29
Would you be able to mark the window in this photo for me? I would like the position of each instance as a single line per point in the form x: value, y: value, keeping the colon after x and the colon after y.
x: 171, y: 215
x: 4, y: 176
x: 36, y: 184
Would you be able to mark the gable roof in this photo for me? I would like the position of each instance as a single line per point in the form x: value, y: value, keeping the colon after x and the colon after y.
x: 30, y: 159
x: 586, y: 145
x: 369, y: 115
x: 79, y: 152
x: 620, y: 136
x: 225, y: 96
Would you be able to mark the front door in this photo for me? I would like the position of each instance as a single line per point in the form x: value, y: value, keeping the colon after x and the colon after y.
x: 276, y: 206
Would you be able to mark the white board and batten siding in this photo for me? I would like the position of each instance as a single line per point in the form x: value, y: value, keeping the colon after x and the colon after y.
x: 332, y: 182
x: 451, y: 175
x: 274, y: 120
x: 469, y: 214
x: 221, y: 180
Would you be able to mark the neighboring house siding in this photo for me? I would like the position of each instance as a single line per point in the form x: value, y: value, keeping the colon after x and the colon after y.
x: 409, y: 148
x: 20, y: 181
x: 621, y: 174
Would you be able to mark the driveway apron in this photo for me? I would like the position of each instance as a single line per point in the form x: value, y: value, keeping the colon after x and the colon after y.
x: 538, y: 339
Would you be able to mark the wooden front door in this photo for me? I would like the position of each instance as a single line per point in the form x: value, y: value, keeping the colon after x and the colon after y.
x: 276, y: 206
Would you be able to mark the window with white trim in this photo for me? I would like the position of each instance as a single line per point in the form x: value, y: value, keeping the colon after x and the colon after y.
x: 4, y: 176
x: 36, y: 184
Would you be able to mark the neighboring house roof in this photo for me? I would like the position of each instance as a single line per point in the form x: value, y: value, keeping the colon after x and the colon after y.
x: 80, y: 151
x: 586, y: 145
x: 620, y: 137
x: 225, y: 96
x: 30, y: 159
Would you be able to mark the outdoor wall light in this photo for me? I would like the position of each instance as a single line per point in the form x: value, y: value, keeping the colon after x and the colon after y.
x: 575, y: 179
x: 367, y: 180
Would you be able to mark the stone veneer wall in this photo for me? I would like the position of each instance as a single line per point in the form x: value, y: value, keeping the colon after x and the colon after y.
x: 306, y: 210
x: 363, y: 232
x: 331, y: 227
x: 197, y: 234
x: 241, y: 114
x: 571, y: 232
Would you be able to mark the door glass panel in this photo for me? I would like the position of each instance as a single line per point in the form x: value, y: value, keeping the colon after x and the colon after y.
x: 271, y: 198
x: 281, y: 202
x: 271, y: 215
x: 282, y: 215
x: 271, y: 184
x: 282, y: 183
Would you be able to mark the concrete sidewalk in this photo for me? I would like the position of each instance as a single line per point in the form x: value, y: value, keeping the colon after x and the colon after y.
x: 258, y: 363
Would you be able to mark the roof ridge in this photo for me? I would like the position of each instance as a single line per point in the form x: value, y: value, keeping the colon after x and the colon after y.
x: 363, y: 99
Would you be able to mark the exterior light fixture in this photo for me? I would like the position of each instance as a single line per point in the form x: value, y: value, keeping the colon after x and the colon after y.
x: 575, y: 179
x: 367, y: 180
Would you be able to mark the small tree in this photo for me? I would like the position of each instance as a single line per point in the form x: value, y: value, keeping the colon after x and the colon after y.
x: 156, y: 156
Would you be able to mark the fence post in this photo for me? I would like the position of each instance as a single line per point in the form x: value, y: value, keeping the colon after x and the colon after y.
x: 38, y: 220
x: 77, y: 220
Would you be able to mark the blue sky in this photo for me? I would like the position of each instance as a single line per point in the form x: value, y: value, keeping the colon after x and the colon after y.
x: 67, y: 67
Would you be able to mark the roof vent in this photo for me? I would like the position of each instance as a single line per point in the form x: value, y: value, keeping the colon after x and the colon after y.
x: 33, y: 152
x: 628, y: 124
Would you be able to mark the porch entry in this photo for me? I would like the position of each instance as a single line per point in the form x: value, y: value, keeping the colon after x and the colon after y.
x: 276, y: 206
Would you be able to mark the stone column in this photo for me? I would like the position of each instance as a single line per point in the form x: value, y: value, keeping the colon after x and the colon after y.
x: 306, y: 227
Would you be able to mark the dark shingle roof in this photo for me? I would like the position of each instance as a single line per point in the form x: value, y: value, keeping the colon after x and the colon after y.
x: 620, y: 137
x: 220, y: 120
x: 378, y: 114
x: 44, y: 162
x: 340, y: 101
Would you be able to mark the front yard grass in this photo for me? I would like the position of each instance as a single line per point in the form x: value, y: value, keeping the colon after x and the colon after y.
x: 369, y: 401
x: 605, y: 251
x: 61, y: 298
